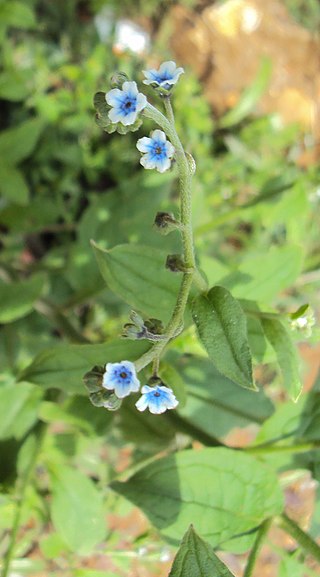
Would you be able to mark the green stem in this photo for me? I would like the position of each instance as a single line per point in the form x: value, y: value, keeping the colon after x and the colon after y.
x: 304, y: 540
x: 167, y: 124
x: 39, y: 431
x: 270, y: 448
x: 261, y: 534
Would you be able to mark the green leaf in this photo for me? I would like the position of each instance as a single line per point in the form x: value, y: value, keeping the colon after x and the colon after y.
x: 251, y: 281
x: 17, y: 298
x: 16, y: 14
x: 13, y: 185
x: 14, y: 85
x: 231, y: 492
x: 138, y: 275
x: 250, y: 96
x: 196, y: 558
x: 77, y: 510
x: 19, y: 406
x: 18, y: 143
x: 63, y: 367
x: 287, y: 357
x: 215, y: 404
x: 222, y: 328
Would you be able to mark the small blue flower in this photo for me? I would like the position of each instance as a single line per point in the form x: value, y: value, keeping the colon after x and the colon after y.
x: 167, y: 75
x: 156, y: 150
x: 158, y: 399
x: 122, y: 378
x: 126, y: 103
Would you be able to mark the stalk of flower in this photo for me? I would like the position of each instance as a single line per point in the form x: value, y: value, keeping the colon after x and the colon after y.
x: 157, y: 152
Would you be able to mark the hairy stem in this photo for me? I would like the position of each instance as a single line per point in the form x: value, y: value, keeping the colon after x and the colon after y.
x: 167, y: 124
x: 261, y: 534
x: 304, y: 540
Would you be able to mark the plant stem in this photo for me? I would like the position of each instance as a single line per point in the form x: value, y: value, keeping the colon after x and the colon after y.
x: 306, y: 542
x: 261, y: 534
x: 39, y: 431
x: 167, y: 124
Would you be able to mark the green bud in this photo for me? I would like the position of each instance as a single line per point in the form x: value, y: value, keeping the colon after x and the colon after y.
x: 175, y: 263
x: 132, y: 332
x: 191, y: 162
x: 111, y: 401
x: 137, y: 320
x: 93, y: 379
x: 117, y: 79
x: 154, y: 326
x: 166, y: 223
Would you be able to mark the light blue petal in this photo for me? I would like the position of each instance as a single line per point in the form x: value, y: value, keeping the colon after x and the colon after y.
x: 142, y: 403
x: 148, y: 162
x: 163, y: 164
x: 115, y: 115
x: 158, y: 136
x: 114, y: 97
x: 144, y: 144
x: 131, y: 89
x: 129, y: 118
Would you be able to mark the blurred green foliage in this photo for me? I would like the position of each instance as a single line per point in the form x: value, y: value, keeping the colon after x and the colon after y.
x: 63, y: 182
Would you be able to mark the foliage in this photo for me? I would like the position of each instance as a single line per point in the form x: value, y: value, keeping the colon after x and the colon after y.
x: 63, y: 183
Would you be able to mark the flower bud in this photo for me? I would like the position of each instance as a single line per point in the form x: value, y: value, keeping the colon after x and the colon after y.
x: 117, y: 79
x: 175, y: 263
x: 192, y: 163
x: 154, y: 326
x: 132, y: 332
x: 137, y: 319
x: 93, y: 379
x: 106, y: 399
x: 166, y: 223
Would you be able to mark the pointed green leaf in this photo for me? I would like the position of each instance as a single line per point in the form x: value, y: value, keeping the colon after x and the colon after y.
x: 196, y: 558
x: 229, y: 491
x: 17, y: 298
x: 138, y: 275
x: 222, y: 328
x: 13, y: 185
x: 287, y: 357
x: 63, y: 367
x: 18, y: 143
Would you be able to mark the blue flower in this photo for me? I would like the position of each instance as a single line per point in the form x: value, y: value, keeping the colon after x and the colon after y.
x: 126, y: 103
x: 167, y: 75
x: 122, y: 378
x: 157, y: 399
x: 156, y: 150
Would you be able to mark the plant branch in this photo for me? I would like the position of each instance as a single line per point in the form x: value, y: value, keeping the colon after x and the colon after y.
x: 39, y: 431
x: 304, y: 540
x: 167, y: 124
x: 261, y: 535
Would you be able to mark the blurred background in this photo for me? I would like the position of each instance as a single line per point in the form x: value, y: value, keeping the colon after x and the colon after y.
x: 247, y: 108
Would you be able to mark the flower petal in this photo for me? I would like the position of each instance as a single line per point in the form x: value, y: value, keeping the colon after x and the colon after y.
x: 148, y: 162
x: 144, y: 144
x: 115, y: 115
x: 129, y: 118
x: 142, y: 403
x: 130, y: 88
x: 163, y: 164
x: 114, y: 97
x: 158, y: 135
